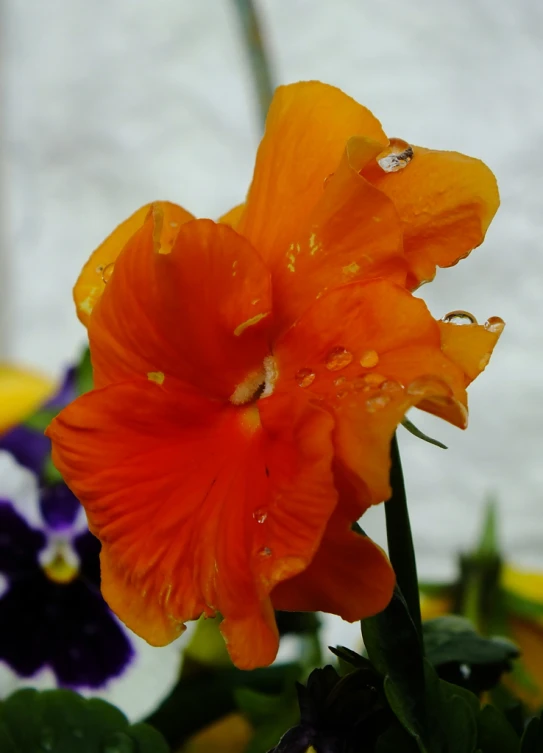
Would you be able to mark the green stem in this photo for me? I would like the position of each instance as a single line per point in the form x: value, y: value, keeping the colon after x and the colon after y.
x: 400, y: 540
x: 258, y: 58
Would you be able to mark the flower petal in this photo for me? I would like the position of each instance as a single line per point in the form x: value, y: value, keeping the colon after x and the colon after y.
x: 195, y: 309
x: 233, y: 217
x: 21, y: 392
x: 470, y: 346
x: 307, y: 128
x: 201, y: 507
x: 370, y: 351
x: 352, y: 233
x: 350, y: 576
x: 91, y: 282
x: 446, y: 202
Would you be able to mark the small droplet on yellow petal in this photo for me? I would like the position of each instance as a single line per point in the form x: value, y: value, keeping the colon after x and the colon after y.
x: 338, y: 358
x: 495, y: 324
x: 107, y: 272
x: 460, y: 317
x: 369, y: 359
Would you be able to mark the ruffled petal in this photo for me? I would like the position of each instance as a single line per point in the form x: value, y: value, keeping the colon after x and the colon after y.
x: 307, y: 128
x: 446, y: 202
x: 194, y: 307
x: 353, y: 233
x: 350, y: 576
x: 92, y: 281
x: 370, y: 351
x: 470, y: 346
x: 200, y: 507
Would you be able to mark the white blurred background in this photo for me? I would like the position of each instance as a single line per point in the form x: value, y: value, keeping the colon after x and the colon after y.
x: 112, y: 103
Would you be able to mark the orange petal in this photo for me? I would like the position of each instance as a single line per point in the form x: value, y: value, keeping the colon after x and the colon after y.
x: 370, y: 351
x: 233, y: 217
x: 446, y: 202
x: 200, y: 507
x: 196, y: 308
x: 352, y: 233
x: 350, y: 576
x: 470, y: 346
x: 307, y: 128
x: 92, y: 280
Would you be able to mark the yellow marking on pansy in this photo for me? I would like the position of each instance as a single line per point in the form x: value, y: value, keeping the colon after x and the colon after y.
x: 156, y: 376
x: 59, y: 570
x: 249, y: 323
x: 351, y: 269
x: 250, y: 419
x: 234, y: 265
x: 314, y: 245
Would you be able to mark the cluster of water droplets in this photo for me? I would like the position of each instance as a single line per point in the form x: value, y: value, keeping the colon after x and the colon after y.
x: 397, y: 156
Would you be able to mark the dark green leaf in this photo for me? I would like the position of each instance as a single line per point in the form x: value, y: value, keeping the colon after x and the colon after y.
x: 532, y: 739
x: 453, y: 639
x: 460, y: 726
x: 60, y: 721
x: 495, y: 733
x: 394, y: 648
x: 396, y: 740
x: 407, y: 424
x: 522, y: 607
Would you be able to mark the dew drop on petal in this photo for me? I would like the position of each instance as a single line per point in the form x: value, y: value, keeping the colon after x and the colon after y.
x: 260, y: 516
x: 338, y: 358
x: 369, y: 359
x: 305, y: 377
x: 373, y: 380
x: 495, y: 325
x: 373, y: 404
x: 107, y: 272
x: 460, y: 317
x: 391, y: 386
x: 339, y: 381
x: 431, y: 386
x: 397, y: 156
x: 99, y: 269
x: 265, y: 552
x: 341, y: 394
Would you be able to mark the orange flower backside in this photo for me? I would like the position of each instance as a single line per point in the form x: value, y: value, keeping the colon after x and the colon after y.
x: 249, y: 375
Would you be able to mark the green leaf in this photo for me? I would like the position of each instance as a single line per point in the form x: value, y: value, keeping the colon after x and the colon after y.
x: 488, y: 540
x: 50, y: 473
x: 83, y: 374
x: 453, y: 639
x: 396, y: 740
x: 521, y: 606
x: 271, y: 716
x: 495, y: 733
x: 60, y: 721
x: 394, y: 648
x: 461, y: 726
x: 407, y: 424
x: 40, y: 420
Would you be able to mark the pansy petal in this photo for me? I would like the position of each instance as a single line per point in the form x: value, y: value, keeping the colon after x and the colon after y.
x: 21, y: 392
x: 307, y: 128
x: 195, y: 309
x: 370, y: 351
x: 446, y: 202
x: 233, y: 217
x: 350, y: 576
x: 92, y: 281
x: 199, y: 509
x: 352, y: 233
x: 470, y: 346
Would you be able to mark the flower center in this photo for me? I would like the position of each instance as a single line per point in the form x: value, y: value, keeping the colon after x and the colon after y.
x: 59, y: 561
x: 257, y: 384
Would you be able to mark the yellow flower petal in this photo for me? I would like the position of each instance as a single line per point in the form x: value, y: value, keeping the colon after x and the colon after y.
x: 21, y: 392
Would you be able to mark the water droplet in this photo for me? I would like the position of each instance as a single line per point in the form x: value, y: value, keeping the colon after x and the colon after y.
x: 305, y: 377
x: 397, y: 156
x: 339, y: 381
x: 391, y: 386
x: 338, y: 358
x: 495, y: 325
x: 260, y: 516
x: 265, y: 552
x: 107, y: 272
x: 460, y: 317
x: 369, y: 359
x: 430, y: 386
x: 377, y: 403
x: 341, y: 394
x: 327, y: 179
x: 99, y: 269
x: 373, y: 380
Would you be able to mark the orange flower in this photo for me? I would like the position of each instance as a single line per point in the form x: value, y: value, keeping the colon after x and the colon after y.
x: 250, y: 373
